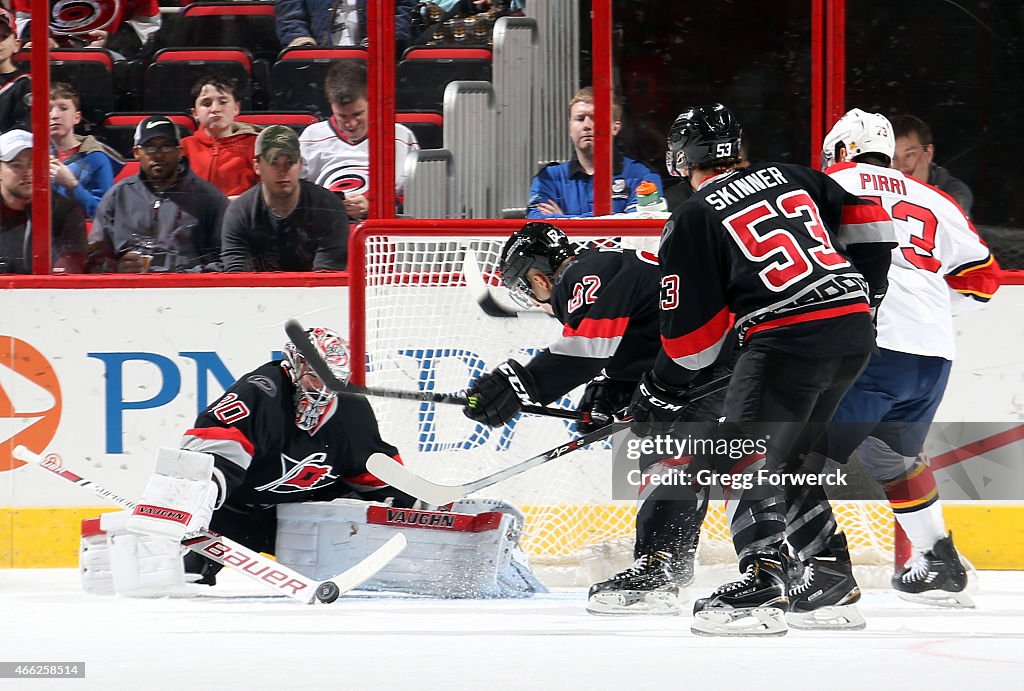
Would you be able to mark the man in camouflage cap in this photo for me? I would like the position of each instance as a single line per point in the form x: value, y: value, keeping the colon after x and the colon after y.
x: 284, y: 223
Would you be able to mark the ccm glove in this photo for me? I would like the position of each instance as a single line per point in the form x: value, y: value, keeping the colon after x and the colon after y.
x: 495, y: 398
x: 656, y: 407
x: 601, y: 401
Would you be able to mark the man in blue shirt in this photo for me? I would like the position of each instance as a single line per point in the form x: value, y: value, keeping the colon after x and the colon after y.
x: 566, y: 190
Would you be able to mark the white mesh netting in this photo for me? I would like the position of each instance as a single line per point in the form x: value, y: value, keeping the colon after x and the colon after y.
x: 424, y: 331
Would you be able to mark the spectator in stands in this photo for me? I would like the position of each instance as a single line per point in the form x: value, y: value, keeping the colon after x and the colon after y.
x: 914, y: 153
x: 81, y: 168
x: 460, y: 22
x: 15, y: 85
x: 284, y: 223
x: 331, y: 23
x: 67, y: 219
x: 336, y: 152
x: 166, y: 218
x: 129, y: 25
x: 221, y: 150
x: 566, y: 189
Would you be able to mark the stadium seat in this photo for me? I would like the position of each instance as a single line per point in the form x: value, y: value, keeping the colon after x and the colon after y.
x: 130, y: 168
x: 119, y: 129
x: 169, y: 79
x: 426, y: 126
x: 90, y: 71
x: 298, y: 121
x: 297, y: 78
x: 423, y: 74
x: 248, y: 25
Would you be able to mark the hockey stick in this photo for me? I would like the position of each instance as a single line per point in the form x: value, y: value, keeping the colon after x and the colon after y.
x: 480, y: 290
x: 240, y: 558
x: 297, y: 335
x: 399, y: 476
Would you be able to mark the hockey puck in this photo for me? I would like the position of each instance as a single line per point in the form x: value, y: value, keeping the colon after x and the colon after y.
x: 327, y: 592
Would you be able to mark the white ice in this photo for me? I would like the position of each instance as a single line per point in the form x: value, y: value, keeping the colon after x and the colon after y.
x: 235, y: 637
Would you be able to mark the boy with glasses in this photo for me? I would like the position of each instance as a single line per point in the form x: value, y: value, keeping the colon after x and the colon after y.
x: 914, y: 153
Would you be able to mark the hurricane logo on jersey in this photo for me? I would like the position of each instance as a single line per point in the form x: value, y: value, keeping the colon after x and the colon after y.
x: 68, y: 17
x: 345, y: 177
x: 30, y: 400
x: 301, y: 476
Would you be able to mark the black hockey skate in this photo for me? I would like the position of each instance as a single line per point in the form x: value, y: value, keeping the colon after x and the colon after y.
x: 824, y: 596
x: 649, y: 586
x: 754, y: 605
x: 937, y: 577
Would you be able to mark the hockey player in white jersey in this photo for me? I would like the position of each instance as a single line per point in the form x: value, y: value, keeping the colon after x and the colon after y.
x: 941, y: 266
x: 336, y: 152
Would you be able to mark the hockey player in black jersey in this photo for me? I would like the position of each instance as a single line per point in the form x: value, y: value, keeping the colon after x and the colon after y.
x: 793, y: 264
x: 278, y: 436
x: 606, y: 297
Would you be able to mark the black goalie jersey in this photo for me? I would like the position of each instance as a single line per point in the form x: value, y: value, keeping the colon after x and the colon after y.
x: 266, y: 459
x: 607, y: 301
x: 764, y: 247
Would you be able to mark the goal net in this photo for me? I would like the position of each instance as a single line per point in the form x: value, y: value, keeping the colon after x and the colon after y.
x: 419, y: 328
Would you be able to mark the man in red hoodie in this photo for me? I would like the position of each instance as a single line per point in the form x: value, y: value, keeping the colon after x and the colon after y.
x: 221, y: 151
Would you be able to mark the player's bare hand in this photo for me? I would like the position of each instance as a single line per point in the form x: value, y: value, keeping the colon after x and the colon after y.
x: 357, y: 206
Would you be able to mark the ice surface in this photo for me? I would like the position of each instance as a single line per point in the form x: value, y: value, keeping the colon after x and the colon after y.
x: 236, y: 637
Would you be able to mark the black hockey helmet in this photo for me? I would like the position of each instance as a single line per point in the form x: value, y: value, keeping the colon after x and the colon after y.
x: 702, y: 137
x: 536, y: 245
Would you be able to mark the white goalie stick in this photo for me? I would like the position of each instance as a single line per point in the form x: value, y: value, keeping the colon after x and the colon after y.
x: 481, y: 291
x: 297, y: 335
x: 239, y: 558
x: 399, y: 476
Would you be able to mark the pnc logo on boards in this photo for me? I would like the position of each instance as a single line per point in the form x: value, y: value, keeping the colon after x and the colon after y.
x: 30, y: 400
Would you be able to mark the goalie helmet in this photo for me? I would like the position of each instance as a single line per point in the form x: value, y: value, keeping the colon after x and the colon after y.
x: 859, y: 133
x: 311, y: 395
x: 536, y: 245
x: 702, y: 137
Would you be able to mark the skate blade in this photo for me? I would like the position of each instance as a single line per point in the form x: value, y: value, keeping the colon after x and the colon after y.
x: 939, y: 598
x: 758, y: 621
x: 634, y: 602
x: 833, y: 618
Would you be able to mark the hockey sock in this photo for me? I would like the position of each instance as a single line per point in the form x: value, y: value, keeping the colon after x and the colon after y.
x: 915, y: 503
x: 810, y: 523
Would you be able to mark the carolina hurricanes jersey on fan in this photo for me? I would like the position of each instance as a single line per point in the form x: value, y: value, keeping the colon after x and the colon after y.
x: 266, y: 459
x: 939, y: 251
x: 607, y: 301
x: 759, y: 244
x: 333, y: 162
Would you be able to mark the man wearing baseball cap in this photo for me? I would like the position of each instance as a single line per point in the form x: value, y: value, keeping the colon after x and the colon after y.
x: 67, y: 220
x: 14, y: 84
x: 166, y: 218
x: 284, y: 223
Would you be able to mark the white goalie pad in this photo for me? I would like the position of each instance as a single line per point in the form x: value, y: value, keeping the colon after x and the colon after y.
x: 115, y: 561
x: 451, y: 554
x: 179, y: 496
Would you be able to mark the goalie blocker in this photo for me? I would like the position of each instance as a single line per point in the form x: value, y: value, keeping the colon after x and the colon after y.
x: 471, y: 551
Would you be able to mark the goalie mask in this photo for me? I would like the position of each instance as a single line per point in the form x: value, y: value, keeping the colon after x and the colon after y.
x: 312, y: 397
x: 859, y: 133
x: 702, y: 137
x: 539, y: 246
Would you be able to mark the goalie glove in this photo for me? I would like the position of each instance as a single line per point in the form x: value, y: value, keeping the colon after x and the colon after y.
x: 601, y: 401
x: 495, y: 398
x: 656, y: 407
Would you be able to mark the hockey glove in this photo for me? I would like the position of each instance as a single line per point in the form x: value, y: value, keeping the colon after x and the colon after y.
x: 601, y: 401
x: 656, y: 407
x: 496, y: 397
